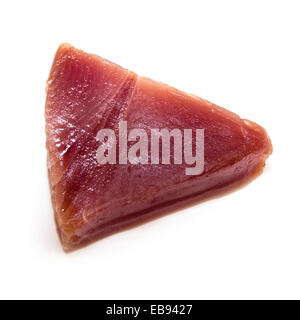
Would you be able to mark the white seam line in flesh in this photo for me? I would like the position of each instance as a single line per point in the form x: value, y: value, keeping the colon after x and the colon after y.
x: 133, y: 91
x: 105, y: 101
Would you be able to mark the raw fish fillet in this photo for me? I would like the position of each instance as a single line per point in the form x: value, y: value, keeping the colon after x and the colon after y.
x: 86, y: 93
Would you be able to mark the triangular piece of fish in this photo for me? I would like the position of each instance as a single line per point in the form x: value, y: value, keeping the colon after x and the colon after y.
x: 86, y: 94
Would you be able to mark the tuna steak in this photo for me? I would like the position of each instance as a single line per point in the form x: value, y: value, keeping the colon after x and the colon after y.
x: 85, y: 94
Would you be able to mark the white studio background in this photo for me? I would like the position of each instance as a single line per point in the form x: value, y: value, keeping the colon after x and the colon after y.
x: 242, y: 55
